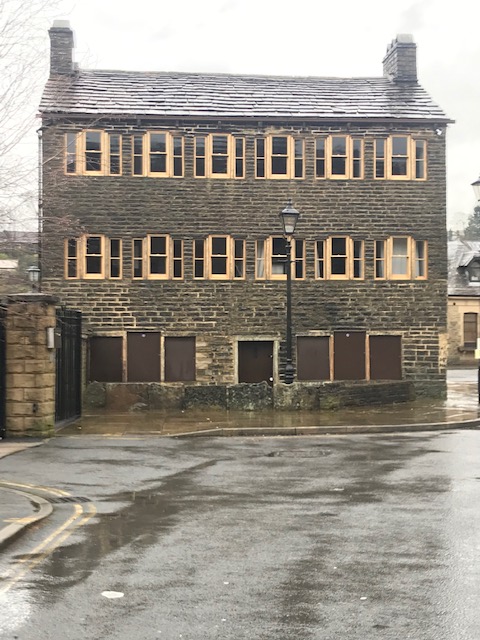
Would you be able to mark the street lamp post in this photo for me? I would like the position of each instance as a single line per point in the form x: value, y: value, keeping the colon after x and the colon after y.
x: 476, y: 190
x: 289, y: 217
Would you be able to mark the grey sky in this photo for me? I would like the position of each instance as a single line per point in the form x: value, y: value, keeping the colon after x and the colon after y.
x: 307, y: 37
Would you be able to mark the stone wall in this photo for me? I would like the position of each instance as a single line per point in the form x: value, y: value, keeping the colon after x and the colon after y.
x: 218, y: 313
x: 30, y: 366
x: 457, y: 307
x: 122, y: 397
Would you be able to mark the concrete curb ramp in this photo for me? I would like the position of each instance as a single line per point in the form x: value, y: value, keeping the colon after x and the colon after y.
x: 330, y: 430
x: 18, y: 525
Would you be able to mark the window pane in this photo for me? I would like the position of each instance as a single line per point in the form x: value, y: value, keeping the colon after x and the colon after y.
x: 200, y: 146
x: 93, y: 161
x: 239, y: 168
x: 219, y: 246
x: 177, y: 166
x: 94, y: 264
x: 93, y: 141
x: 94, y: 244
x: 158, y: 163
x: 200, y: 167
x: 115, y: 248
x: 279, y: 145
x: 158, y: 143
x: 339, y: 246
x: 399, y: 146
x: 399, y: 166
x: 399, y: 266
x: 260, y: 168
x: 158, y: 265
x: 114, y: 269
x: 138, y: 165
x: 177, y: 146
x: 279, y: 246
x: 339, y: 145
x: 279, y: 166
x: 72, y: 269
x: 339, y: 166
x: 72, y: 248
x: 158, y: 245
x: 339, y: 266
x: 138, y: 145
x: 219, y: 266
x: 239, y: 248
x: 115, y: 165
x: 220, y: 144
x: 219, y: 164
x: 260, y: 259
x: 114, y: 143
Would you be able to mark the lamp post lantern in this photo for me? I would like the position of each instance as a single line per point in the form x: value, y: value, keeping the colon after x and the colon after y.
x: 33, y: 274
x: 289, y: 217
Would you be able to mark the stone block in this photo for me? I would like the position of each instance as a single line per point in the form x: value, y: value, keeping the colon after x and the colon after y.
x: 123, y: 396
x: 212, y: 396
x: 250, y: 397
x: 296, y: 396
x: 165, y: 396
x: 95, y: 395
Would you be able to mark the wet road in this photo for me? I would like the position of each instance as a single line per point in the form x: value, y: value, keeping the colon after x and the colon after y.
x: 329, y: 538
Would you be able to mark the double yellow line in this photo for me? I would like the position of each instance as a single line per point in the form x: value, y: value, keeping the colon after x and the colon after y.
x: 54, y: 540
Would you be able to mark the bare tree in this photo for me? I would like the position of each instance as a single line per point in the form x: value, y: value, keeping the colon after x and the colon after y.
x: 23, y: 71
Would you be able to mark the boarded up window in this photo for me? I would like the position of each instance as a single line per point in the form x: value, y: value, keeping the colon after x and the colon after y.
x: 469, y: 330
x: 143, y: 357
x: 313, y: 358
x: 179, y: 359
x: 385, y: 358
x: 255, y: 361
x: 349, y: 355
x: 105, y: 361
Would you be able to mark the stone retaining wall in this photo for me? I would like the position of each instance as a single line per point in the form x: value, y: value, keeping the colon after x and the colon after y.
x: 144, y: 396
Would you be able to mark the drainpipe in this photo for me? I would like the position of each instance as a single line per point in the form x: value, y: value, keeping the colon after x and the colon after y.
x: 40, y: 206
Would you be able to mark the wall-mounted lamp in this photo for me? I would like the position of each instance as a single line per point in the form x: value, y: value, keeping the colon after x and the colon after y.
x: 33, y: 274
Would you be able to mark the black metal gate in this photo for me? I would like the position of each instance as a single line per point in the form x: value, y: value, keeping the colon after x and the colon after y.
x: 68, y: 397
x: 3, y: 385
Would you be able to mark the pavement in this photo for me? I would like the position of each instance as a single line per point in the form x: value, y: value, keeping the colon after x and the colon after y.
x: 20, y: 508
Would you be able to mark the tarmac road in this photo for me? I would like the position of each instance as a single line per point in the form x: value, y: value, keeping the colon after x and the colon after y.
x: 331, y: 538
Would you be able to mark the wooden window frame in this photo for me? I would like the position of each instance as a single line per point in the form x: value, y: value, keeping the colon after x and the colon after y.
x: 80, y: 258
x: 76, y: 153
x: 469, y: 345
x: 415, y: 156
x: 172, y: 257
x: 412, y: 255
x: 232, y: 156
x: 320, y: 260
x: 232, y: 260
x: 350, y: 158
x: 170, y: 154
x: 351, y: 244
x: 266, y: 248
x: 294, y: 156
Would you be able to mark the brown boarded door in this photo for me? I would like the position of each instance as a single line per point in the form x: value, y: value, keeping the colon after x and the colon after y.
x: 105, y: 362
x: 349, y: 355
x: 255, y: 361
x: 179, y: 359
x: 143, y: 356
x: 385, y: 357
x: 313, y: 358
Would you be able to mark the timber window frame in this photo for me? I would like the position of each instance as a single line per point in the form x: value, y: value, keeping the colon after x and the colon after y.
x: 219, y: 156
x: 157, y: 256
x: 401, y: 258
x: 93, y: 152
x: 93, y: 257
x: 271, y: 259
x: 400, y: 157
x: 339, y: 157
x: 158, y: 154
x: 339, y: 258
x: 280, y: 156
x: 219, y: 257
x: 470, y: 330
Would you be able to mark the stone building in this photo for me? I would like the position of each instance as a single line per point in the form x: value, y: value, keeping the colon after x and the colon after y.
x: 463, y: 301
x: 161, y: 201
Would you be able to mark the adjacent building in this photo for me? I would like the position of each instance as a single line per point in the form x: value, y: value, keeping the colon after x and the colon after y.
x: 463, y: 301
x: 161, y: 201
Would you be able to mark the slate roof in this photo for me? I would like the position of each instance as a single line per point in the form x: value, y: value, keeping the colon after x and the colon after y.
x: 195, y: 95
x: 460, y: 254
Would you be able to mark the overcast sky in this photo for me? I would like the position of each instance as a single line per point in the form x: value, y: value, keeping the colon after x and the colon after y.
x: 304, y: 37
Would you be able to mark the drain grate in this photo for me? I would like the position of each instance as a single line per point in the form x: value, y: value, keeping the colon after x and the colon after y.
x: 68, y: 499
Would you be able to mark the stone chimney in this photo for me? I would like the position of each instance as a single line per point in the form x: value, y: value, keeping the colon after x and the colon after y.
x: 400, y: 62
x: 61, y: 48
